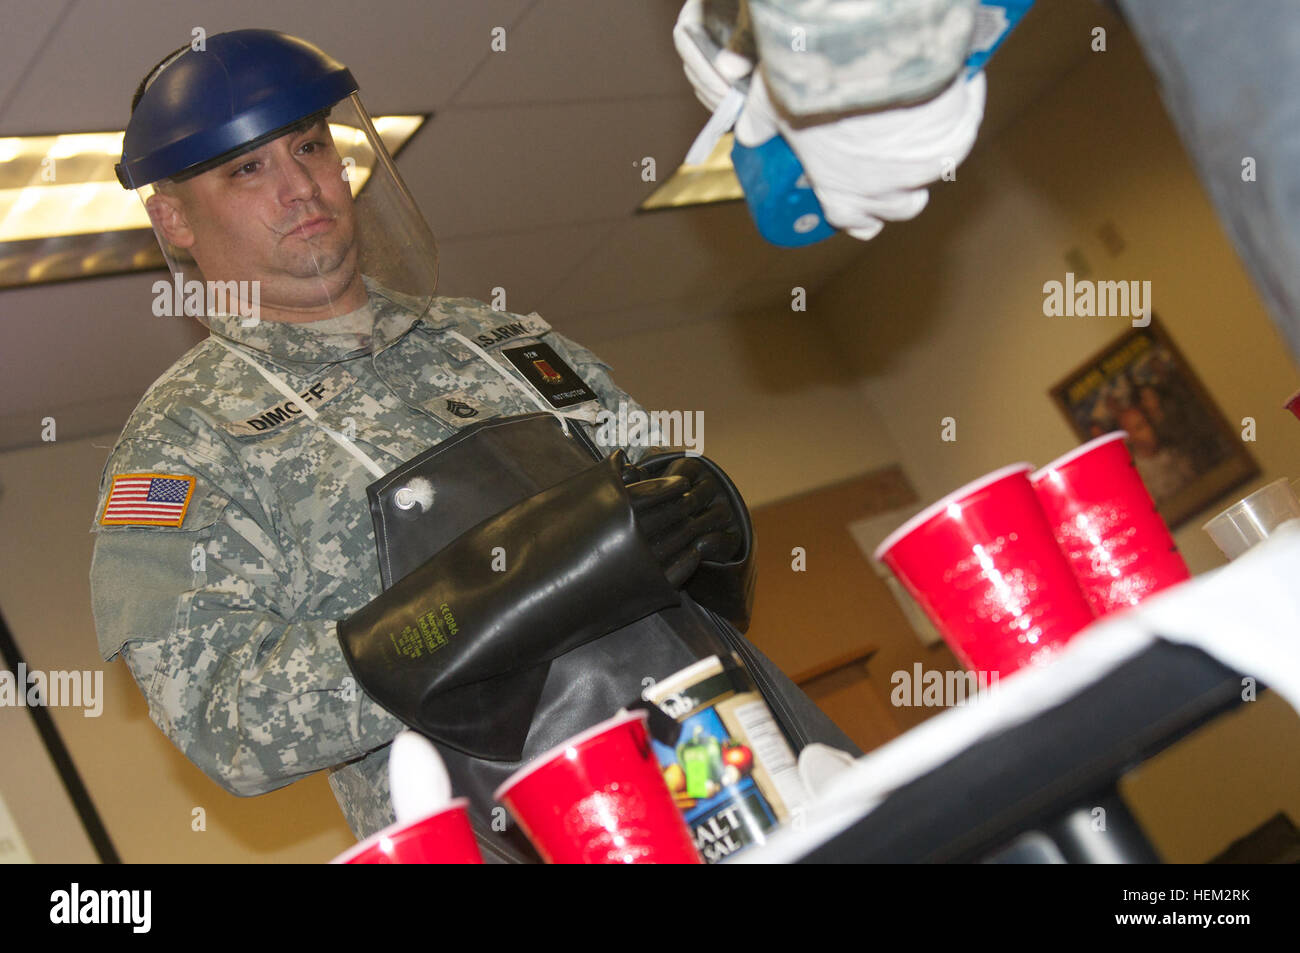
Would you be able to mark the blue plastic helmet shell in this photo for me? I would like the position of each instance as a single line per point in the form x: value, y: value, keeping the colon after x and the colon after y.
x: 243, y: 87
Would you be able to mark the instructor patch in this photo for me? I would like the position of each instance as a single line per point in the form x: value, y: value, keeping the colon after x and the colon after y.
x: 549, y: 375
x: 147, y: 499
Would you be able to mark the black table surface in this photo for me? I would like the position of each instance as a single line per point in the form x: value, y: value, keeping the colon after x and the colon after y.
x: 1031, y: 774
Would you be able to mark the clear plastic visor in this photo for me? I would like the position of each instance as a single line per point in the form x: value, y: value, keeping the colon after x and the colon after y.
x: 298, y: 227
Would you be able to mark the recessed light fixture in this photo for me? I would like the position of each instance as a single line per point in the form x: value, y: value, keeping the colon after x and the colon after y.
x: 713, y: 180
x: 64, y: 215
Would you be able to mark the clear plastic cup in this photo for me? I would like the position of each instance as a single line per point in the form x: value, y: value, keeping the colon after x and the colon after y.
x: 1254, y: 519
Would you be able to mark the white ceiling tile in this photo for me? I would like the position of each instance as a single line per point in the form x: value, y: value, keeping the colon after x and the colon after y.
x: 406, y: 54
x: 765, y: 296
x: 481, y: 171
x: 593, y: 328
x: 667, y: 255
x: 812, y: 264
x: 90, y: 418
x: 27, y: 28
x: 1054, y: 38
x: 610, y: 51
x: 71, y: 344
x: 527, y: 265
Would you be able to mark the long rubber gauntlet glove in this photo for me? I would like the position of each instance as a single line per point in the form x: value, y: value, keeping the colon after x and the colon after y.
x: 460, y: 648
x: 724, y: 579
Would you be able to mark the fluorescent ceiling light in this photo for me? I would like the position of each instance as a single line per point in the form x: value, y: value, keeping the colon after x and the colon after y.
x: 63, y: 213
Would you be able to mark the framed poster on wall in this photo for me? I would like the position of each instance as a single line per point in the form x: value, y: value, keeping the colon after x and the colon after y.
x: 1187, y: 452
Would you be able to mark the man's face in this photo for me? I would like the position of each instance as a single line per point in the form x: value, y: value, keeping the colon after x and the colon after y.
x: 281, y: 214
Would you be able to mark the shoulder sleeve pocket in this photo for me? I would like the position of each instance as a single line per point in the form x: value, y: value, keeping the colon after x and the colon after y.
x: 149, y: 552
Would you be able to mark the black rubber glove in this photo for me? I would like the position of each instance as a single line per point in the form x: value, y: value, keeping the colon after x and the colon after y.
x: 717, y: 563
x: 684, y: 515
x: 460, y: 650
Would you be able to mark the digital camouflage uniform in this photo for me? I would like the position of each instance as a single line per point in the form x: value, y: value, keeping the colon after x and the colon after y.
x: 821, y: 57
x: 227, y: 622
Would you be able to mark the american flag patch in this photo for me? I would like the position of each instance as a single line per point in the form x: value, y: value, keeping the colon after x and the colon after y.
x: 148, y: 499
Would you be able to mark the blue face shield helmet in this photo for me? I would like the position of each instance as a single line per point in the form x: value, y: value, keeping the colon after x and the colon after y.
x: 256, y: 161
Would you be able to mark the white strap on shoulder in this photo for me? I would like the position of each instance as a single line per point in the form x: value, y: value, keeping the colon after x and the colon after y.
x: 278, y: 383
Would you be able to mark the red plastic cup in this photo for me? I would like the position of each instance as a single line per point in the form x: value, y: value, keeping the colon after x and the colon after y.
x: 983, y: 564
x: 444, y: 837
x: 1293, y: 403
x: 600, y: 798
x: 1107, y: 525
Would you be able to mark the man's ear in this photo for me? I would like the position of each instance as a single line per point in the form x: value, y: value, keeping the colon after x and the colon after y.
x: 168, y: 217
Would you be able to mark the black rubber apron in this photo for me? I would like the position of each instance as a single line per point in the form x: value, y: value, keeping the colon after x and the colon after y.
x: 486, y: 468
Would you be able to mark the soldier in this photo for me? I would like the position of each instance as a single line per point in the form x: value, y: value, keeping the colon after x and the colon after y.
x: 265, y: 610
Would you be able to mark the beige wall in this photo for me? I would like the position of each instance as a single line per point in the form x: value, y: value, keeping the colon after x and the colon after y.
x: 781, y: 411
x: 143, y: 787
x: 945, y: 316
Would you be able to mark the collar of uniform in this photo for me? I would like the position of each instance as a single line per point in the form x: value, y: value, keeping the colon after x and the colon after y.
x: 395, y: 315
x: 445, y: 314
